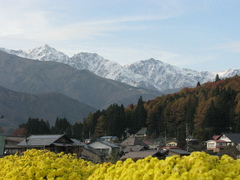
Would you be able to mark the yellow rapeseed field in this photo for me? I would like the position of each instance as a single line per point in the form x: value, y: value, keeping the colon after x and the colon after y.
x: 42, y: 164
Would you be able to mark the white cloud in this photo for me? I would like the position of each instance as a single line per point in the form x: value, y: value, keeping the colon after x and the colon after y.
x: 26, y: 20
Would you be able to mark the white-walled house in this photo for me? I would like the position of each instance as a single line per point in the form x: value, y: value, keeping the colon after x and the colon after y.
x: 216, y: 145
x: 221, y: 141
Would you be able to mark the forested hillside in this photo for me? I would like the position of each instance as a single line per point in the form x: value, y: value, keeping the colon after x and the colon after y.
x: 201, y: 112
x: 208, y: 109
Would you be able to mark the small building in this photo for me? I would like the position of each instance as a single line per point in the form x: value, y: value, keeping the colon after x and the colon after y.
x: 55, y: 143
x: 90, y: 154
x: 219, y: 142
x: 172, y: 144
x: 11, y: 144
x: 154, y: 143
x: 104, y: 147
x: 8, y: 144
x: 111, y: 139
x: 216, y: 145
x: 142, y: 133
x: 132, y: 143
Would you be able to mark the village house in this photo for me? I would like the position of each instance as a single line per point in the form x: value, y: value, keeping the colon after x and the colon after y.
x: 104, y: 147
x: 219, y: 142
x: 142, y: 133
x: 132, y: 143
x: 8, y: 144
x: 90, y: 154
x: 55, y: 143
x: 171, y: 144
x: 154, y: 143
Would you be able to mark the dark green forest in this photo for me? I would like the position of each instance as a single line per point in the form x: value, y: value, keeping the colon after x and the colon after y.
x: 201, y: 112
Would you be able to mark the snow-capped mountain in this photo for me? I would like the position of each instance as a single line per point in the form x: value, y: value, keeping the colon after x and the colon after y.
x: 165, y: 76
x: 43, y: 53
x: 104, y: 68
x: 152, y: 74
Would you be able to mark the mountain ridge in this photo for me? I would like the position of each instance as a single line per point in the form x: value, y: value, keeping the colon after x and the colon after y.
x: 31, y: 76
x: 151, y: 73
x: 17, y: 107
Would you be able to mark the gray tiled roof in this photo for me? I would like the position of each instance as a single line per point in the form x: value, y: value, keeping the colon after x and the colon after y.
x: 179, y: 151
x: 40, y: 140
x: 133, y: 148
x: 131, y: 141
x: 142, y: 154
x: 142, y: 131
x: 234, y: 137
x: 107, y: 143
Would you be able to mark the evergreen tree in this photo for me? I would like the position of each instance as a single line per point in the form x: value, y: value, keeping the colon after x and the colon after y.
x: 86, y: 126
x: 100, y: 129
x: 36, y: 126
x: 217, y: 78
x: 141, y: 115
x: 115, y: 120
x: 77, y: 130
x: 62, y: 126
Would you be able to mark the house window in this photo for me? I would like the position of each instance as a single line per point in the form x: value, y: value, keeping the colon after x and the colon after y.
x: 211, y: 145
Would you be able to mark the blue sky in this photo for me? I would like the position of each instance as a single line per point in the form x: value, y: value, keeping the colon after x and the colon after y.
x: 202, y: 35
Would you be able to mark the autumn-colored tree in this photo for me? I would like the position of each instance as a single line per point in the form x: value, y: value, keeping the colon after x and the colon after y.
x: 20, y: 132
x: 202, y: 111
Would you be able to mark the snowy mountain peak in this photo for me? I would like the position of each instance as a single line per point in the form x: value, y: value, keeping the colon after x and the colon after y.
x: 151, y: 73
x: 46, y: 53
x: 89, y: 57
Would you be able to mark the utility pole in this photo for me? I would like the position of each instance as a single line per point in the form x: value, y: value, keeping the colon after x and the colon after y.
x: 187, y: 138
x: 165, y: 137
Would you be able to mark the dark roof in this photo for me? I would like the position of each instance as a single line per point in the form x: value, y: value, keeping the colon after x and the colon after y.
x: 234, y: 137
x: 131, y: 141
x: 142, y: 131
x: 41, y: 140
x: 142, y: 154
x: 179, y: 151
x: 133, y: 148
x: 77, y: 142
